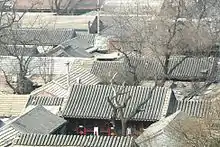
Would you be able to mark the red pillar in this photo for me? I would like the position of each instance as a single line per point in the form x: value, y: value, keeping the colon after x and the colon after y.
x: 84, y: 131
x: 109, y: 131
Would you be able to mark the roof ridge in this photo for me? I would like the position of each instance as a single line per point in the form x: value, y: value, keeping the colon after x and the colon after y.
x: 39, y: 96
x: 27, y: 139
x: 132, y: 86
x: 42, y: 87
x: 166, y: 103
x: 43, y: 100
x: 75, y: 135
x: 195, y: 100
x: 50, y: 29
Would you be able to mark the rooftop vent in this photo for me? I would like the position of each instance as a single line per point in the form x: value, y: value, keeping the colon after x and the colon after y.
x: 78, y: 80
x: 204, y: 71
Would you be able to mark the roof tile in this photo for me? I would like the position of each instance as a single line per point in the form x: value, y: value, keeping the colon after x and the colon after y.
x: 12, y: 105
x: 73, y: 140
x: 147, y: 68
x: 37, y: 36
x: 46, y: 101
x: 37, y: 120
x: 94, y: 98
x: 59, y: 87
x: 197, y: 108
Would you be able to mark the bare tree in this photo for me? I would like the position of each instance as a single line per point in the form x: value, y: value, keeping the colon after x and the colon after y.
x: 18, y: 51
x: 45, y: 69
x: 119, y: 108
x: 8, y: 16
x: 178, y: 32
x: 24, y: 62
x: 63, y: 6
x: 198, y: 132
x: 19, y: 69
x: 181, y: 28
x: 8, y: 19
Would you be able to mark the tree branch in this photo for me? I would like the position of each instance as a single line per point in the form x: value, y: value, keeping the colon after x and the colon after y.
x: 139, y: 106
x: 8, y: 82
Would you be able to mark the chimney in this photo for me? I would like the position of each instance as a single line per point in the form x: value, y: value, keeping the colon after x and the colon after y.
x: 68, y: 74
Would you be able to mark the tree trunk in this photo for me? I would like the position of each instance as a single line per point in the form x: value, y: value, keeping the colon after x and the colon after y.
x: 135, y: 78
x: 123, y: 127
x: 165, y: 71
x: 21, y: 79
x: 21, y: 84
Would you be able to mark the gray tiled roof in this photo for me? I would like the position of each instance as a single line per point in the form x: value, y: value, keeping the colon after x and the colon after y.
x: 46, y: 101
x: 7, y: 135
x: 38, y: 36
x: 51, y: 103
x: 29, y: 122
x: 73, y: 140
x: 158, y: 128
x: 75, y: 47
x: 68, y: 51
x: 37, y: 120
x: 59, y: 87
x: 145, y: 69
x: 148, y: 68
x: 11, y: 50
x: 86, y: 78
x: 90, y: 101
x: 77, y: 52
x: 106, y: 69
x: 51, y: 89
x: 84, y: 35
x: 197, y: 108
x: 192, y: 67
